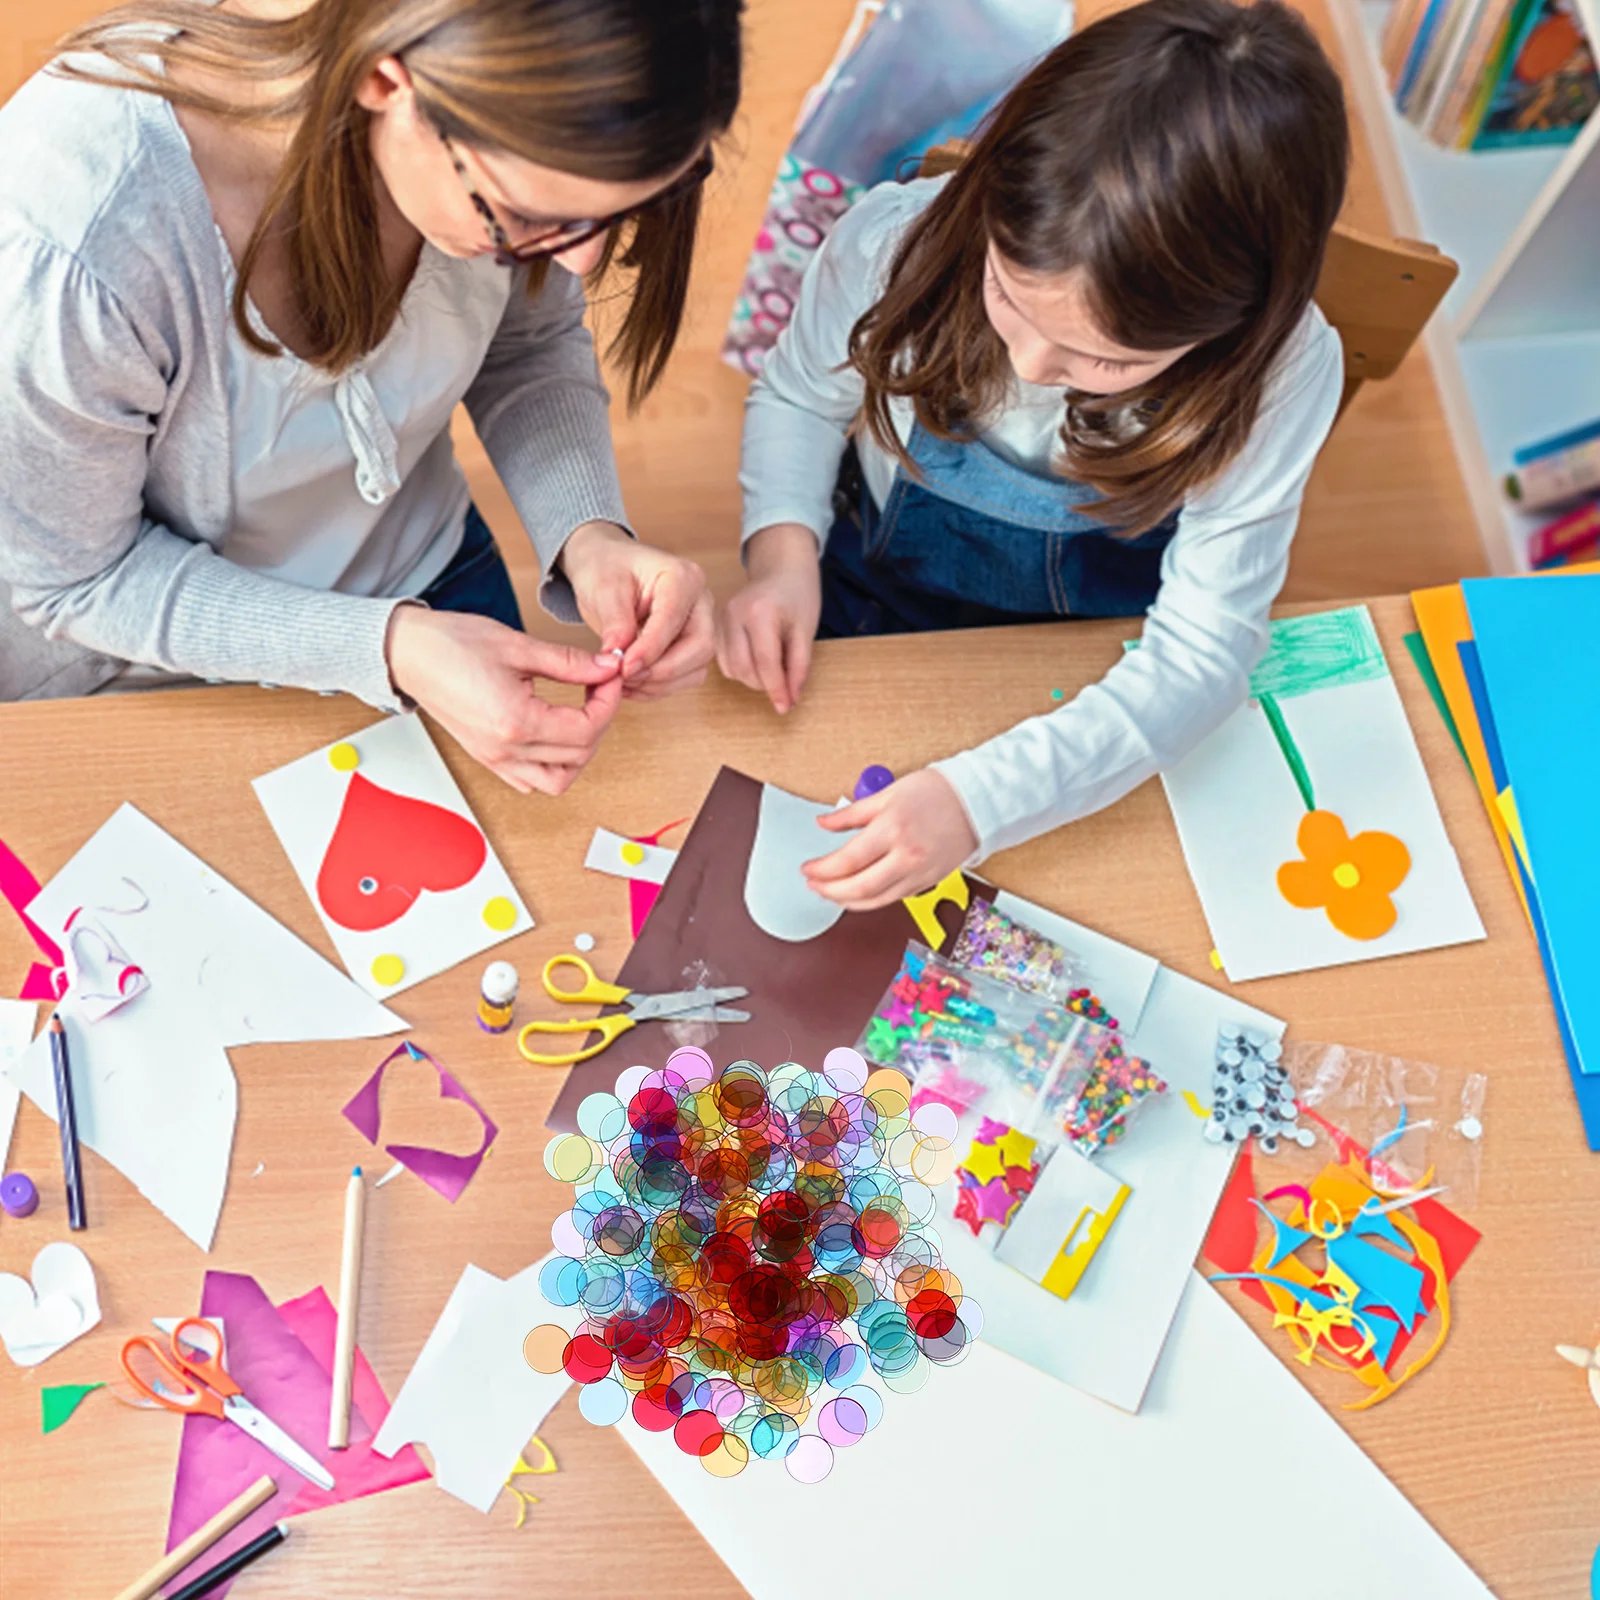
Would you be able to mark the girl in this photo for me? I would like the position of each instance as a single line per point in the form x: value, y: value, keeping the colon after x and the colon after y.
x: 251, y: 259
x: 1085, y: 378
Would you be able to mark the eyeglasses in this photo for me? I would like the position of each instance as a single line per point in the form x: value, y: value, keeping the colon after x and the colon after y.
x: 563, y: 236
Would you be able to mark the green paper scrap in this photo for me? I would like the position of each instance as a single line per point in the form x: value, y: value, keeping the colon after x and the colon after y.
x: 1291, y: 751
x: 1325, y: 650
x: 56, y: 1405
x: 1430, y: 681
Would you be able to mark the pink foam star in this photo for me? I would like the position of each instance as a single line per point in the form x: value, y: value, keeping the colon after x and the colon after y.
x: 993, y: 1202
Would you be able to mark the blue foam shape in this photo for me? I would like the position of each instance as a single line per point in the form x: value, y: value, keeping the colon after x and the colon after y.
x: 1285, y: 1240
x: 1384, y: 1280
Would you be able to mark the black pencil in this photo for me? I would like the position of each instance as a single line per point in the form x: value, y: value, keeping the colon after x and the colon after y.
x: 71, y: 1160
x: 230, y: 1566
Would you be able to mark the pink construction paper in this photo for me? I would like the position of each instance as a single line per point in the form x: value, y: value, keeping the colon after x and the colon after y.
x: 282, y: 1358
x: 19, y: 888
x: 437, y: 1168
x: 642, y: 896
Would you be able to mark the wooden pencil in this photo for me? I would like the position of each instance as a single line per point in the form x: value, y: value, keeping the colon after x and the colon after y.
x: 344, y: 1352
x: 201, y: 1540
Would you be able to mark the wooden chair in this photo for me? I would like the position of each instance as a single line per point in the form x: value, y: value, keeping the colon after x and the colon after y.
x: 1376, y: 293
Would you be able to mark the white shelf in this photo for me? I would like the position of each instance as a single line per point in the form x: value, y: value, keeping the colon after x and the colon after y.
x: 1527, y: 389
x: 1469, y: 203
x: 1516, y: 347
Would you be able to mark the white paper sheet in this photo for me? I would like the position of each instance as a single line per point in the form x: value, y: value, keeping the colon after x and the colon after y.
x: 470, y: 1397
x: 18, y: 1019
x: 1238, y: 811
x: 606, y: 855
x: 776, y: 894
x: 994, y: 1468
x: 153, y: 1088
x: 398, y: 867
x: 1107, y: 1338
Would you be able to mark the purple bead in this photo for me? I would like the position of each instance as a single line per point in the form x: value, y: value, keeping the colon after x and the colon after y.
x: 873, y: 780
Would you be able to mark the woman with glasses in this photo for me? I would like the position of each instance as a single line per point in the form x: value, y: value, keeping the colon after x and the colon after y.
x: 252, y: 255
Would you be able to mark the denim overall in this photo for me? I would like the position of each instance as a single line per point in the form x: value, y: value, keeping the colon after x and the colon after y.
x: 978, y: 542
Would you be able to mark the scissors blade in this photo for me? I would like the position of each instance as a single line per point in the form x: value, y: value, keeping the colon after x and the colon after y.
x: 265, y: 1431
x: 727, y: 1014
x: 685, y: 1000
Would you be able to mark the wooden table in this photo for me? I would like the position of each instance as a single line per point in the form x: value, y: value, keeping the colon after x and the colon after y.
x: 1498, y: 1444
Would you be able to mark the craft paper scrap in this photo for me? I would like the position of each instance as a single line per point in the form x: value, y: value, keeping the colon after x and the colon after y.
x: 446, y: 1173
x: 282, y: 1357
x: 17, y: 1021
x: 471, y: 1398
x: 1222, y: 1411
x: 780, y: 901
x: 1307, y: 820
x: 18, y: 887
x: 628, y: 858
x: 57, y: 1405
x: 154, y: 1091
x: 61, y: 1304
x: 394, y: 861
x: 1063, y: 1222
x: 98, y: 968
x: 1107, y: 1337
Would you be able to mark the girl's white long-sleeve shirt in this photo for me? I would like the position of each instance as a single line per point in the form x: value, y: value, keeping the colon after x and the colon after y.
x: 1219, y: 575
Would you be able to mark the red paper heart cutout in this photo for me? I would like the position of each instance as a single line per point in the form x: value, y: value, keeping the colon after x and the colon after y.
x: 387, y: 849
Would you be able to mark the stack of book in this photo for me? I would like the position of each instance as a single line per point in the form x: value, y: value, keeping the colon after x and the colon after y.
x: 1488, y: 74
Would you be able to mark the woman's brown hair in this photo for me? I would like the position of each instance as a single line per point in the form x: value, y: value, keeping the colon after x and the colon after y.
x: 1190, y: 157
x: 620, y: 91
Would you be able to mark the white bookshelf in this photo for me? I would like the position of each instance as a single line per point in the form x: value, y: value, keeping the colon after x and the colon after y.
x: 1516, y: 345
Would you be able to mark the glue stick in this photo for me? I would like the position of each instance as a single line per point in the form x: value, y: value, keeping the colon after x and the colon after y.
x: 498, y: 997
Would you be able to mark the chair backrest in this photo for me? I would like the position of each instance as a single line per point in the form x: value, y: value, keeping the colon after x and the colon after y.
x: 1376, y: 293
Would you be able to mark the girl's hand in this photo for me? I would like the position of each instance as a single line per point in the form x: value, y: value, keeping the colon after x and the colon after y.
x: 765, y: 634
x: 476, y: 677
x: 652, y: 606
x: 914, y: 834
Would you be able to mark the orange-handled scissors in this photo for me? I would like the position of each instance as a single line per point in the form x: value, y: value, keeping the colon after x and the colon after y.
x: 190, y: 1377
x: 641, y: 1008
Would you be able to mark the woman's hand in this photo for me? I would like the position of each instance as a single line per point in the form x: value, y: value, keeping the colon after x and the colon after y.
x: 914, y: 834
x: 765, y: 635
x: 476, y: 678
x: 653, y: 607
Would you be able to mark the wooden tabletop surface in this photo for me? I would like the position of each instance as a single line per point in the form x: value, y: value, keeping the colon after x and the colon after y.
x: 1498, y: 1444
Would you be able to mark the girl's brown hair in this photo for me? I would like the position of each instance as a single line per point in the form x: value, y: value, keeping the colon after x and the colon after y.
x: 620, y: 91
x: 1190, y: 156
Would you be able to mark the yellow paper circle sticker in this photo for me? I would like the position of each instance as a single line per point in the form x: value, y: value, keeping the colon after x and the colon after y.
x: 344, y: 757
x: 543, y: 1349
x: 632, y: 853
x: 388, y: 970
x: 500, y: 914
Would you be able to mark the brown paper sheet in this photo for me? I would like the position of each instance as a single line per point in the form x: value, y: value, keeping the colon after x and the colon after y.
x: 805, y: 999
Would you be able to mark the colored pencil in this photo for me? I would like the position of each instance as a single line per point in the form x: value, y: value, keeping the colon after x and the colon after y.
x: 344, y: 1353
x: 201, y: 1540
x: 71, y: 1157
x: 232, y: 1565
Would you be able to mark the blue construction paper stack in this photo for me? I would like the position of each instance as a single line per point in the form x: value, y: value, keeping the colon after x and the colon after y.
x: 1534, y: 672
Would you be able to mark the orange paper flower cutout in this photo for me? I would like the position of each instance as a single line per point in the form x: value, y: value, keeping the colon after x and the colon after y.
x: 1351, y: 879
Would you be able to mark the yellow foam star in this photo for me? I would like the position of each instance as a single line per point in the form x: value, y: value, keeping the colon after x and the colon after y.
x: 985, y: 1163
x: 1016, y: 1149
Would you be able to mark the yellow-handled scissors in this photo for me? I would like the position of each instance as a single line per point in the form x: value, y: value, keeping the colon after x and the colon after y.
x: 641, y: 1008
